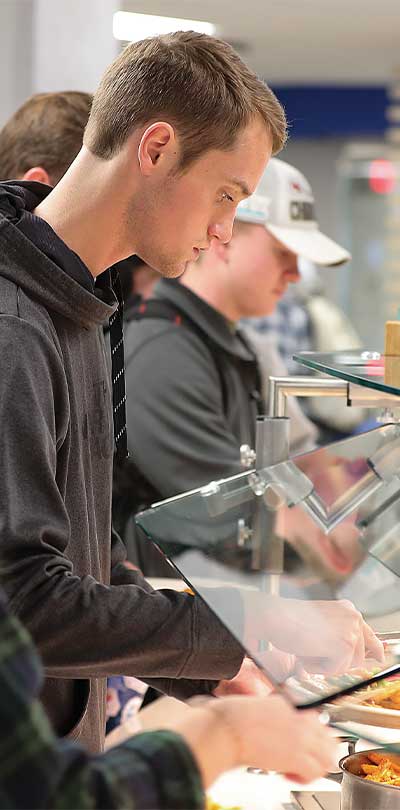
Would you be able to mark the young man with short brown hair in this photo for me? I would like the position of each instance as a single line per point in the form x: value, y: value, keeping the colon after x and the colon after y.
x: 61, y: 565
x: 200, y: 85
x: 156, y: 768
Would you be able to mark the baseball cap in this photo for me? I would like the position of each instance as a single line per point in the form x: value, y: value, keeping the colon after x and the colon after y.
x: 284, y: 203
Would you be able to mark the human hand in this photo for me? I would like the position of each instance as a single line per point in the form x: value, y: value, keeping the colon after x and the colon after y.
x: 330, y: 557
x: 333, y: 554
x: 250, y: 680
x: 329, y: 637
x: 269, y: 734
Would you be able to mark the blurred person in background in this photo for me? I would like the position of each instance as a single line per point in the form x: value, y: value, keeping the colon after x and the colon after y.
x: 43, y: 137
x: 304, y: 318
x: 203, y: 378
x: 193, y: 381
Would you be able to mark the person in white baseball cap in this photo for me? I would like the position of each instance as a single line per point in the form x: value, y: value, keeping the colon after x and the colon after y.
x: 302, y: 319
x: 284, y: 203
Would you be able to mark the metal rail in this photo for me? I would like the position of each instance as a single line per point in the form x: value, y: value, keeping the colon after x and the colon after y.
x: 303, y: 386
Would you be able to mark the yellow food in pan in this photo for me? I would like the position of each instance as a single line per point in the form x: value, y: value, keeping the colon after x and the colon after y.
x: 381, y: 769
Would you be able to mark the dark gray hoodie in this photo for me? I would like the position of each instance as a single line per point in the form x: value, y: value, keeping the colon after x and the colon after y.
x: 60, y: 563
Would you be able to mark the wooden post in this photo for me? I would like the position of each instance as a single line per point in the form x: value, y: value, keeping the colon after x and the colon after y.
x: 392, y: 353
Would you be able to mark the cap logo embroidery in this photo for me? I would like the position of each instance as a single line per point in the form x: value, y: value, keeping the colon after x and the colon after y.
x: 301, y: 211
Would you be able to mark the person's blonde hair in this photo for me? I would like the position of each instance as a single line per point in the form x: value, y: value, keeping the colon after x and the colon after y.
x: 197, y: 83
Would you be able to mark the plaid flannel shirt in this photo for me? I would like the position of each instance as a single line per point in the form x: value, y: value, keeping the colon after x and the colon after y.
x: 291, y: 327
x: 149, y: 771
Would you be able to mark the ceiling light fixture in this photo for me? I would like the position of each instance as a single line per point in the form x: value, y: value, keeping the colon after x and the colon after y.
x: 131, y: 27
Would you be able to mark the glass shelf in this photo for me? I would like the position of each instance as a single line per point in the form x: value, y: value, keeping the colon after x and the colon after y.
x: 367, y: 368
x: 274, y: 552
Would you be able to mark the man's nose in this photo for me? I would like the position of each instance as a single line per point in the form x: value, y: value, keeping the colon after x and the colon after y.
x: 222, y: 230
x: 292, y: 273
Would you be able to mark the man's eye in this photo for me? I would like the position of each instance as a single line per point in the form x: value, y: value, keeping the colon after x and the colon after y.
x: 228, y: 197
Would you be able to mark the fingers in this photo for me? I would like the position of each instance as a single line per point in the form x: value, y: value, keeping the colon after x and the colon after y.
x: 278, y: 664
x: 332, y: 632
x: 362, y: 641
x: 296, y: 741
x: 309, y: 770
x: 317, y: 751
x: 349, y: 650
x: 321, y: 745
x: 373, y: 645
x: 250, y: 680
x: 357, y: 653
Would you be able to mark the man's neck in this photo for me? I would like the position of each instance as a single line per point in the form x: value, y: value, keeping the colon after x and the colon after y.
x: 86, y: 213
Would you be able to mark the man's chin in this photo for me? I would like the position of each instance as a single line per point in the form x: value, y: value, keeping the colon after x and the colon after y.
x: 172, y: 270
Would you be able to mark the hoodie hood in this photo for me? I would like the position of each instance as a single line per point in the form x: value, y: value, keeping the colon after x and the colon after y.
x: 34, y: 257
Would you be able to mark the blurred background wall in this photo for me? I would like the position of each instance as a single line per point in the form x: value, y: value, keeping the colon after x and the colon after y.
x: 333, y: 65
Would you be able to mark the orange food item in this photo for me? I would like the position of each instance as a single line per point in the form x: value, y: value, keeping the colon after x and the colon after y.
x: 381, y: 769
x: 377, y: 758
x: 369, y: 768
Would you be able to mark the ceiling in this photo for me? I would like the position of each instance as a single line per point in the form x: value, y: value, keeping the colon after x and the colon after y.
x: 301, y: 41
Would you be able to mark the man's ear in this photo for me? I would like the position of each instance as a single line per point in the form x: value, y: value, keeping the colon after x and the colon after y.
x: 39, y: 174
x: 157, y: 144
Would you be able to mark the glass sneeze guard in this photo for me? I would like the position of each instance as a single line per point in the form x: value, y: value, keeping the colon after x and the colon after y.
x: 367, y: 368
x: 336, y: 513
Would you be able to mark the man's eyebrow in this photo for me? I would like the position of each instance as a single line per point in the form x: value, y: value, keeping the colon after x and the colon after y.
x: 242, y: 186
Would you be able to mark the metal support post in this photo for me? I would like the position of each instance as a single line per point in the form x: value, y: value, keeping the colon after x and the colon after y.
x: 272, y: 446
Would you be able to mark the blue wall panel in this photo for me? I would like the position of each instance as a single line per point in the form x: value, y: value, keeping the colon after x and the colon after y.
x: 314, y: 111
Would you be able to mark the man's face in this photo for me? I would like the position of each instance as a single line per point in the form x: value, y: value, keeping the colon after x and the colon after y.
x: 260, y: 269
x: 183, y: 213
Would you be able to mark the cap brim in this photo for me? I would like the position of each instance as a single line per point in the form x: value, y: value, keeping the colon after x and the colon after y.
x: 310, y: 244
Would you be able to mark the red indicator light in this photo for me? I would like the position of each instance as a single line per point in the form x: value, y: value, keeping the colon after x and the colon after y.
x: 381, y: 176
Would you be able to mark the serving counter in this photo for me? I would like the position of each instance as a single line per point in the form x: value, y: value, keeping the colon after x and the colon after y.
x: 283, y: 552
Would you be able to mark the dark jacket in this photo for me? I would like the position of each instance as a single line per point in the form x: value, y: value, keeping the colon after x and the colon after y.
x: 60, y: 565
x: 187, y: 414
x: 192, y: 400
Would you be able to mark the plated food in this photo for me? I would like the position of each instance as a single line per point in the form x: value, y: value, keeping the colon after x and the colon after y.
x: 377, y: 705
x: 387, y: 696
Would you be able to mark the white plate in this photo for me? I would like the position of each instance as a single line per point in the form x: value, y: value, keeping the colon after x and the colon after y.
x: 260, y: 792
x: 369, y: 715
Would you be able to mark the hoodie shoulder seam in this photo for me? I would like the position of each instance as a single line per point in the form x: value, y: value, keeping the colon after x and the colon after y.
x: 11, y: 306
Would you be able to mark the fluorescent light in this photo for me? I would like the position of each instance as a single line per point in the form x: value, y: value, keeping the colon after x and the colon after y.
x: 132, y: 27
